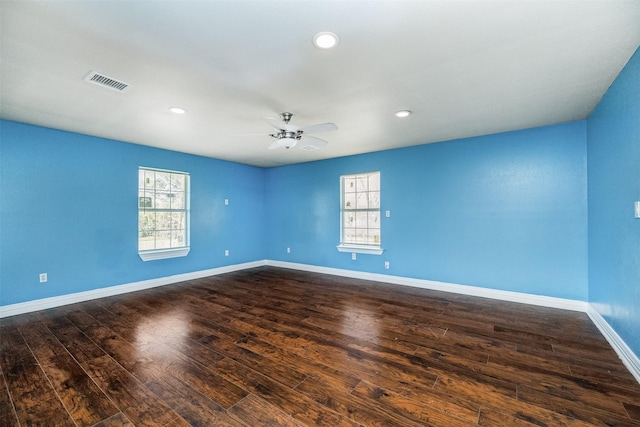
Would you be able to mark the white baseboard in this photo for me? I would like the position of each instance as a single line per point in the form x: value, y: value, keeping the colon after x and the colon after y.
x: 565, y: 304
x: 44, y: 303
x: 628, y: 357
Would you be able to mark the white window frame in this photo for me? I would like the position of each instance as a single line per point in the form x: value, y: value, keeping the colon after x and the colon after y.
x: 374, y: 249
x: 172, y: 252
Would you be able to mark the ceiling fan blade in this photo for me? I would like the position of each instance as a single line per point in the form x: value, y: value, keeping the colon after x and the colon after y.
x: 275, y: 144
x: 275, y: 123
x: 311, y: 143
x: 322, y: 127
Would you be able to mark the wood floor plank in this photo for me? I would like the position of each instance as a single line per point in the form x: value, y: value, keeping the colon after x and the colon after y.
x: 522, y: 335
x: 256, y: 412
x: 133, y: 399
x: 285, y: 374
x: 178, y: 422
x: 351, y: 407
x: 49, y: 412
x: 42, y: 343
x: 429, y: 410
x: 8, y: 415
x: 490, y: 418
x: 13, y: 348
x: 194, y: 407
x: 583, y: 360
x: 130, y: 357
x: 81, y: 347
x: 476, y: 388
x: 27, y: 385
x: 573, y: 408
x: 117, y: 420
x: 298, y: 406
x: 603, y: 375
x: 212, y: 384
x: 506, y: 408
x: 633, y: 409
x: 86, y: 403
x: 369, y: 330
x: 310, y: 367
x: 270, y: 346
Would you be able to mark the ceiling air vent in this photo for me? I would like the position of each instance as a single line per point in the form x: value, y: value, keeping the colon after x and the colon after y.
x: 108, y: 82
x: 309, y: 147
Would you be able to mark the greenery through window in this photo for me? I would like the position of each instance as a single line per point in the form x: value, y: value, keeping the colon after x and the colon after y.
x: 360, y: 209
x: 163, y: 210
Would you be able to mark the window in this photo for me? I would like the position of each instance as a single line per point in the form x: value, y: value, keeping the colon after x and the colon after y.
x: 360, y: 213
x: 163, y: 214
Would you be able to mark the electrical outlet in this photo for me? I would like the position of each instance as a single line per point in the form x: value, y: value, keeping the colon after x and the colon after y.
x: 226, y: 252
x: 226, y: 202
x: 43, y: 277
x: 386, y: 265
x: 353, y: 256
x: 288, y: 250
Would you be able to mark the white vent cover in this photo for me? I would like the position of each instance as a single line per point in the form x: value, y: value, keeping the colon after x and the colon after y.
x: 309, y: 147
x: 108, y: 82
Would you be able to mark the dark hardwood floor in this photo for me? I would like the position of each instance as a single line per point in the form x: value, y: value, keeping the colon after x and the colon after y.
x: 276, y: 347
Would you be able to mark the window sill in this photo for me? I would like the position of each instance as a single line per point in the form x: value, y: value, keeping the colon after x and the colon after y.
x: 163, y: 254
x: 361, y: 249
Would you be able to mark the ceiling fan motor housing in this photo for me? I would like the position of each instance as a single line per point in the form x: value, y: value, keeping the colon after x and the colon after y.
x: 289, y: 138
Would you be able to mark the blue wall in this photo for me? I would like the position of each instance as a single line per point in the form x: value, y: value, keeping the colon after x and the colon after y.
x: 69, y: 208
x: 506, y: 211
x: 614, y: 185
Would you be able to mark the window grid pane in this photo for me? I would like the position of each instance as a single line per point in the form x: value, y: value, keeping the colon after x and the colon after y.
x: 361, y: 209
x: 162, y: 209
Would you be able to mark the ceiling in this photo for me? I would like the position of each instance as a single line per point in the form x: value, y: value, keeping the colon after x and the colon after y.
x: 464, y: 68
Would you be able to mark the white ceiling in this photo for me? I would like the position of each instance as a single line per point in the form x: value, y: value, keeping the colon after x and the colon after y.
x: 464, y: 68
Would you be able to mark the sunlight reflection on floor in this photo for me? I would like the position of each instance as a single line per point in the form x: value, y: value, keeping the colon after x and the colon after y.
x: 156, y: 332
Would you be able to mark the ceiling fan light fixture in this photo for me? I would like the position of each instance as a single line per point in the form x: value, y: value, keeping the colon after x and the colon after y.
x: 288, y: 142
x: 177, y: 110
x: 403, y: 113
x: 325, y: 40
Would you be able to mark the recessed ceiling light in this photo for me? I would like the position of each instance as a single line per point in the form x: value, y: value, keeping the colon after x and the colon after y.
x: 325, y: 40
x: 177, y: 110
x: 403, y: 113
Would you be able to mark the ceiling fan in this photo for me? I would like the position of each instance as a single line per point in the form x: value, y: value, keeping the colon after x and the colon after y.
x: 289, y: 135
